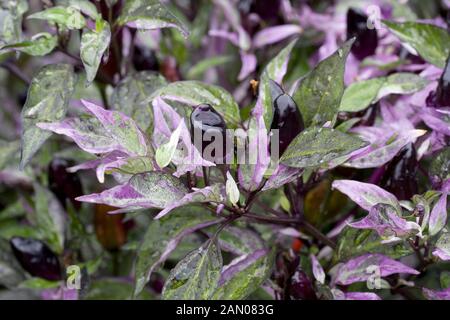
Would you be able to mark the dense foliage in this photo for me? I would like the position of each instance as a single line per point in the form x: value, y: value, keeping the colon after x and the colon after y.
x: 104, y: 193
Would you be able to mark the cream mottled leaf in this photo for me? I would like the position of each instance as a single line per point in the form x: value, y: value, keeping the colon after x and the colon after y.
x: 319, y: 93
x: 162, y: 237
x: 94, y: 43
x: 148, y: 15
x: 47, y: 101
x: 316, y: 146
x: 430, y: 41
x: 196, y: 277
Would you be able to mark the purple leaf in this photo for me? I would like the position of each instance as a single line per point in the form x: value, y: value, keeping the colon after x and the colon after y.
x: 275, y: 34
x: 385, y: 220
x: 111, y: 131
x: 166, y: 119
x: 87, y: 133
x: 438, y: 216
x: 385, y: 144
x: 366, y: 195
x: 121, y: 128
x: 215, y: 193
x: 145, y: 190
x: 442, y: 250
x: 249, y: 62
x: 317, y: 269
x: 436, y: 295
x: 362, y: 268
x: 281, y: 176
x: 361, y: 296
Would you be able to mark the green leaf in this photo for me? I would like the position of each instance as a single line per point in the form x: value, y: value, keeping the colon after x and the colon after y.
x: 163, y: 235
x: 440, y: 165
x: 232, y: 189
x: 359, y: 95
x: 8, y: 151
x: 94, y: 43
x: 148, y: 15
x: 194, y: 93
x: 11, y: 13
x: 197, y: 70
x: 69, y: 17
x: 50, y: 217
x: 47, y: 101
x: 113, y: 289
x: 165, y: 152
x: 431, y: 42
x: 246, y: 276
x: 10, y: 274
x: 445, y: 279
x: 39, y: 283
x: 275, y: 70
x: 40, y: 45
x: 132, y: 94
x: 196, y: 276
x: 401, y: 83
x: 316, y: 146
x: 87, y: 7
x: 319, y: 93
x: 355, y: 242
x: 240, y: 241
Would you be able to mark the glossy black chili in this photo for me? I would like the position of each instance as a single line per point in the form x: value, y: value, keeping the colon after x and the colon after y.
x: 286, y: 116
x: 206, y: 125
x: 400, y: 177
x: 36, y: 258
x: 366, y: 39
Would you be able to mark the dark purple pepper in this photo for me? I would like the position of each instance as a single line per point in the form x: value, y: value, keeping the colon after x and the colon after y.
x: 369, y: 116
x: 145, y: 59
x: 301, y: 287
x: 366, y: 39
x: 443, y: 89
x: 206, y: 124
x: 400, y: 177
x: 286, y: 117
x: 36, y: 258
x: 65, y: 185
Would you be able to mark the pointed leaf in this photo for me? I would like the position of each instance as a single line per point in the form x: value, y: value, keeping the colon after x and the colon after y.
x: 442, y: 250
x: 361, y: 269
x: 438, y: 216
x: 274, y: 70
x: 145, y: 190
x: 196, y: 276
x: 148, y: 15
x: 163, y: 236
x: 431, y: 42
x: 244, y: 275
x: 69, y: 17
x: 232, y: 189
x: 50, y: 218
x: 40, y: 45
x: 47, y: 100
x: 317, y: 146
x: 132, y: 94
x: 385, y: 220
x: 366, y: 195
x: 214, y: 193
x: 319, y: 93
x: 94, y: 43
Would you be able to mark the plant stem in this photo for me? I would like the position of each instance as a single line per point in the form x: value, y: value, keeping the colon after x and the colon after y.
x: 14, y: 70
x: 205, y: 176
